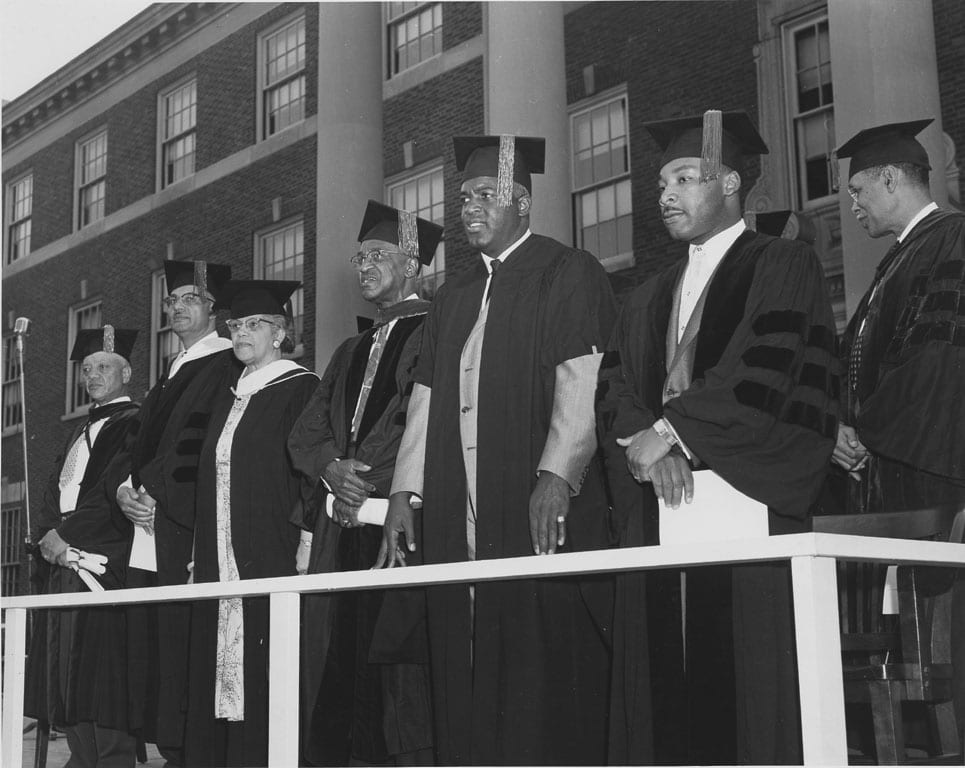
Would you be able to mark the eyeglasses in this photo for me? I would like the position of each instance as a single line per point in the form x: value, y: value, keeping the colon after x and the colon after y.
x: 250, y: 325
x: 376, y: 256
x: 188, y: 299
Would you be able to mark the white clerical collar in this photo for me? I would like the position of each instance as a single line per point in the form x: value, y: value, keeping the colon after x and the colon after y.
x: 487, y: 260
x: 252, y: 382
x: 933, y: 206
x: 121, y: 399
x: 719, y: 244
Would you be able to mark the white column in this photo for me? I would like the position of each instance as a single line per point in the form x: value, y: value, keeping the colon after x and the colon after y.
x: 349, y: 161
x: 884, y: 70
x: 284, y: 631
x: 526, y: 96
x: 14, y: 658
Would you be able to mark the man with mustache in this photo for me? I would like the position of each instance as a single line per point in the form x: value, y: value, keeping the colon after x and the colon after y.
x: 902, y: 440
x: 500, y: 445
x: 155, y: 488
x: 76, y: 671
x: 344, y: 445
x: 723, y: 362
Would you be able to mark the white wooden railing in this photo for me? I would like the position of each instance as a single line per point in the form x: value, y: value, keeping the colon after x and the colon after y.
x: 812, y: 556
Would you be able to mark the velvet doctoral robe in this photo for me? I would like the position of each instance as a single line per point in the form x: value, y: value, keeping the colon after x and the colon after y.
x: 76, y: 670
x: 163, y: 457
x: 760, y: 411
x: 524, y: 681
x: 904, y: 397
x: 263, y: 490
x: 363, y: 697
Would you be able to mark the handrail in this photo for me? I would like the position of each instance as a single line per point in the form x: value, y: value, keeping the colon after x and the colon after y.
x: 812, y: 557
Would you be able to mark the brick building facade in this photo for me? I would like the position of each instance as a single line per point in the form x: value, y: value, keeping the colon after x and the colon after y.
x: 253, y: 133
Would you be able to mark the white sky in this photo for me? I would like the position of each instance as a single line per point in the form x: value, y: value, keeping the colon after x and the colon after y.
x: 37, y: 37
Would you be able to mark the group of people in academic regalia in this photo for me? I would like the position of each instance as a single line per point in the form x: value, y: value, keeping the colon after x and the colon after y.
x: 518, y: 413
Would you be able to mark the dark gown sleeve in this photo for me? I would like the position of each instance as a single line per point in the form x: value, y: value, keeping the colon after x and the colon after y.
x: 312, y: 444
x: 916, y: 414
x: 621, y: 408
x: 582, y: 308
x: 765, y: 416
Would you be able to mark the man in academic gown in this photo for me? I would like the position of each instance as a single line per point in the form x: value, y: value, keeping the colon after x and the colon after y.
x: 722, y: 362
x: 77, y: 665
x: 902, y: 439
x: 155, y: 488
x: 500, y: 445
x: 345, y: 446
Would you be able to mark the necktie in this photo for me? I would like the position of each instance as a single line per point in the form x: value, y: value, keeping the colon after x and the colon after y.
x: 375, y: 355
x: 889, y: 264
x: 493, y: 266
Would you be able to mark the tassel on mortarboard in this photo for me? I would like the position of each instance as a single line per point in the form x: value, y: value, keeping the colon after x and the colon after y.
x: 504, y: 175
x: 201, y: 276
x: 408, y: 234
x: 109, y: 338
x: 713, y: 137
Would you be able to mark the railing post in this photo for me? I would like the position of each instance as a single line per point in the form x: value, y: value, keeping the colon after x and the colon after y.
x: 820, y: 678
x: 14, y: 657
x: 283, y: 673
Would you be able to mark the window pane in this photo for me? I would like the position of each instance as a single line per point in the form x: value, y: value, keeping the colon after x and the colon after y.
x: 415, y: 34
x: 588, y: 209
x: 282, y: 258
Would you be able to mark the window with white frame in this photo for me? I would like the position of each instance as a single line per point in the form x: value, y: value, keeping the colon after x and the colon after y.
x: 280, y: 255
x: 602, y: 200
x: 811, y: 105
x: 12, y: 531
x: 91, y: 176
x: 414, y: 33
x: 282, y: 76
x: 20, y: 194
x: 85, y: 316
x: 178, y: 134
x: 165, y: 345
x: 12, y: 406
x: 423, y: 194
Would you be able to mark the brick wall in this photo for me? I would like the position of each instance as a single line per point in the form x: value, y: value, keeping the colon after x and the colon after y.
x: 217, y: 222
x: 950, y: 47
x: 671, y: 58
x: 460, y: 22
x: 429, y: 115
x: 226, y: 120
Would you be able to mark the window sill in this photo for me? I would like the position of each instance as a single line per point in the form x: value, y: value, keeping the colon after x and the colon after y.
x: 16, y: 429
x: 77, y: 414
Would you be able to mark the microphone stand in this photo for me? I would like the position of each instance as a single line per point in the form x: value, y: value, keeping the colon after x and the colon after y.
x: 23, y: 424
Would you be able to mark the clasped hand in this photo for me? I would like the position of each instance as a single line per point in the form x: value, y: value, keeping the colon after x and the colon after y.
x: 849, y: 453
x: 137, y: 506
x: 342, y: 477
x: 649, y: 460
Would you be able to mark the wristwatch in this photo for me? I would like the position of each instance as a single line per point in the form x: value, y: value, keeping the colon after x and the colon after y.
x: 661, y: 428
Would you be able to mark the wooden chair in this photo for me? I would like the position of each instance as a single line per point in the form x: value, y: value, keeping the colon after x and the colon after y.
x: 891, y: 660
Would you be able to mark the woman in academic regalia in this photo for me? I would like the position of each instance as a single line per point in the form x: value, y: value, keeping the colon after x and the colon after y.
x: 246, y: 491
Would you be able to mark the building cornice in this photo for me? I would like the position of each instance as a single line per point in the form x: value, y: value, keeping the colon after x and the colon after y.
x: 144, y: 36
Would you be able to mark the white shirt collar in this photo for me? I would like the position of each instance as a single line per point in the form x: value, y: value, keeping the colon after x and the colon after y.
x: 720, y: 243
x: 933, y: 206
x: 249, y: 383
x: 121, y: 399
x: 487, y: 260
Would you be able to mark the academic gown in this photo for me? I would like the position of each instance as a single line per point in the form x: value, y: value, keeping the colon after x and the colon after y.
x: 760, y: 412
x: 363, y: 674
x: 905, y: 397
x: 527, y: 684
x: 264, y: 488
x: 163, y: 457
x: 76, y: 669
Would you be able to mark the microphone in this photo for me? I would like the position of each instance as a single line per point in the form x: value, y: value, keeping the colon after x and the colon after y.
x: 21, y: 325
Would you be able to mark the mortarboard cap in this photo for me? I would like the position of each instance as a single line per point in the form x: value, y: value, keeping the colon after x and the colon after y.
x: 256, y: 297
x: 415, y: 237
x: 884, y: 145
x: 722, y: 137
x: 120, y: 341
x: 506, y: 158
x: 204, y: 274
